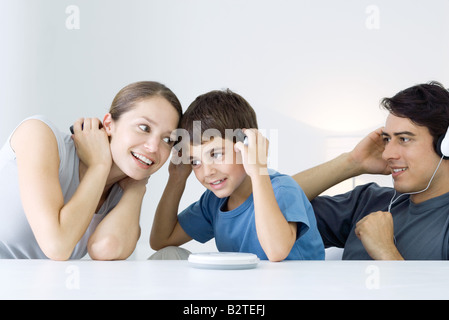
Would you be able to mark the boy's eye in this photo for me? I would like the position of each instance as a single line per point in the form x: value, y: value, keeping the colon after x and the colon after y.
x: 217, y: 155
x: 195, y: 163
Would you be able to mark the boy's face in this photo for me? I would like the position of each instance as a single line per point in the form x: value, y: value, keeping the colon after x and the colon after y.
x: 411, y: 157
x: 217, y: 166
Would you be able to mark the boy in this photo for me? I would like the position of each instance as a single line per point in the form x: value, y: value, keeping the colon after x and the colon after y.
x: 246, y: 207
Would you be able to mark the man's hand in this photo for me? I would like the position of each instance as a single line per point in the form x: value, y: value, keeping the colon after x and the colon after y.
x: 367, y: 154
x: 377, y: 235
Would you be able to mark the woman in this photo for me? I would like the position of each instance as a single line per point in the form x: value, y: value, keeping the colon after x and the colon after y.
x: 63, y: 196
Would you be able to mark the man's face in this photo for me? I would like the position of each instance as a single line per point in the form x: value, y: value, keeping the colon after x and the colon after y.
x: 411, y: 157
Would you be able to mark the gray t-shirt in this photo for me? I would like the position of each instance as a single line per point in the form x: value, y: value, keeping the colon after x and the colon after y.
x: 17, y: 240
x: 421, y: 230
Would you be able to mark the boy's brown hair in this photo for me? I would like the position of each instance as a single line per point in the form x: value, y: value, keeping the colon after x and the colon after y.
x: 220, y: 110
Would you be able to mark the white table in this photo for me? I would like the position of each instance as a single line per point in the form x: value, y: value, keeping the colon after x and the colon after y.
x: 85, y: 279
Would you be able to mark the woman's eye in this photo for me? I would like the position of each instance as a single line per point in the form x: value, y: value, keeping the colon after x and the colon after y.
x: 144, y: 128
x: 168, y: 141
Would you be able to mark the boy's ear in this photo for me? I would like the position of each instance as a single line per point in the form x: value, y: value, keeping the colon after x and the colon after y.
x: 108, y: 123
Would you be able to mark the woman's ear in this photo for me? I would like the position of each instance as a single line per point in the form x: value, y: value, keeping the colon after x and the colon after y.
x: 108, y: 123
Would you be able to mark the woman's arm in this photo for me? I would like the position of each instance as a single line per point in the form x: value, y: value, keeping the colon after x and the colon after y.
x: 116, y: 236
x: 57, y: 227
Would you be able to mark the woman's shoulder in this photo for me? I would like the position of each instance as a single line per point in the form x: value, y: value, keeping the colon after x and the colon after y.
x: 37, y: 129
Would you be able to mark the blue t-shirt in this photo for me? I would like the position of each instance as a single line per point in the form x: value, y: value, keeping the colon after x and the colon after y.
x: 235, y: 230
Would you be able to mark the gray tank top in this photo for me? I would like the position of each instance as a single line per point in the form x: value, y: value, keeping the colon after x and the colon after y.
x: 17, y: 240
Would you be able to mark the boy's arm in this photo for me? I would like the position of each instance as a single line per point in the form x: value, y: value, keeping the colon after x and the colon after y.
x: 276, y: 235
x: 166, y: 230
x: 366, y: 157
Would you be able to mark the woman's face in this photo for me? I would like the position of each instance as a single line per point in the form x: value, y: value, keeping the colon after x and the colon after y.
x: 141, y: 138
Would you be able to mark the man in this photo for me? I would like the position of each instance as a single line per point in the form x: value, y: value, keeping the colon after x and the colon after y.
x: 410, y: 221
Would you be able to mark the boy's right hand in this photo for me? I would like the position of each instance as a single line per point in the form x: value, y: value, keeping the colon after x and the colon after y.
x: 179, y: 170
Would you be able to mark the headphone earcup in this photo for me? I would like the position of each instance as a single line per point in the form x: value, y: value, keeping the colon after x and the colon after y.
x: 442, y: 147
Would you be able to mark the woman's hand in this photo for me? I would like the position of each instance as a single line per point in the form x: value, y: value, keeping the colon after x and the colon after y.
x: 92, y: 142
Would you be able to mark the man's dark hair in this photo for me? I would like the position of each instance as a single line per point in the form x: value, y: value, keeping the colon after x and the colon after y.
x: 425, y: 105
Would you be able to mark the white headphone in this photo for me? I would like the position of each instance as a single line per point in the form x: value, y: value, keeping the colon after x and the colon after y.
x: 443, y: 145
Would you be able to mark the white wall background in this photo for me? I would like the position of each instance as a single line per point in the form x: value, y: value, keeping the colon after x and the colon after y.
x: 314, y: 71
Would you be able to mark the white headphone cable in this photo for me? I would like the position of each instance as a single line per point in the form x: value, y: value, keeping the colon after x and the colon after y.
x: 409, y: 193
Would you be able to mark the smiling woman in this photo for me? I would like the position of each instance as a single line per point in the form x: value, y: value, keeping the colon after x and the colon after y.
x: 83, y: 193
x: 145, y: 129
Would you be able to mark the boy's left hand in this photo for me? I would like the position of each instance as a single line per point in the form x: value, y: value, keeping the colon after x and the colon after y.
x: 255, y: 155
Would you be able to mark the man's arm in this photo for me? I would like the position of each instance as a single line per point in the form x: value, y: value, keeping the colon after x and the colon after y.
x: 365, y: 158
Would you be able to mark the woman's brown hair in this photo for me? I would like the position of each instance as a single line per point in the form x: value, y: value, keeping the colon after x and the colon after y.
x: 127, y: 97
